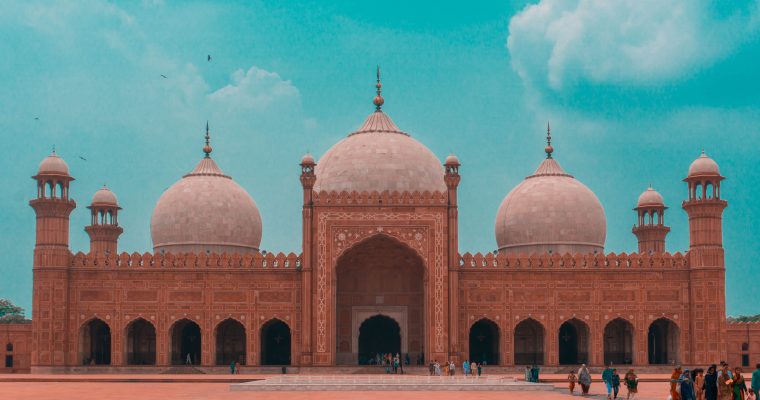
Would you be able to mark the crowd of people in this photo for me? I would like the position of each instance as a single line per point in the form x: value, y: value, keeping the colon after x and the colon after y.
x: 721, y: 383
x: 718, y: 383
x: 449, y: 368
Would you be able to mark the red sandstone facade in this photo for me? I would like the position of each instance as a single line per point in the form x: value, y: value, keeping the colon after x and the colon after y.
x: 389, y: 259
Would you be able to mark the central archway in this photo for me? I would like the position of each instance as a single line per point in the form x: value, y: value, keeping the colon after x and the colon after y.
x: 95, y: 343
x: 573, y: 342
x: 379, y: 275
x: 186, y: 343
x: 141, y: 343
x: 230, y: 342
x: 663, y: 342
x: 529, y: 343
x: 484, y: 342
x: 378, y: 335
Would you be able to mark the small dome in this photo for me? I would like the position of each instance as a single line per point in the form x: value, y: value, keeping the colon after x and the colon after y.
x: 451, y: 160
x: 551, y: 211
x: 54, y: 165
x: 379, y: 157
x: 104, y: 197
x: 650, y: 197
x: 206, y: 211
x: 307, y: 159
x: 703, y: 165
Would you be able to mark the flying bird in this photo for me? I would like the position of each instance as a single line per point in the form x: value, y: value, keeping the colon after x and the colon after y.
x: 208, y: 58
x: 36, y: 118
x: 164, y: 76
x: 83, y: 158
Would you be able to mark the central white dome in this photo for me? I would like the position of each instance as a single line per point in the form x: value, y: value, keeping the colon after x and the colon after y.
x: 206, y: 211
x: 551, y: 211
x: 379, y: 157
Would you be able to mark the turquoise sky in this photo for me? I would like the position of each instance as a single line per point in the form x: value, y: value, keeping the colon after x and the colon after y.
x: 634, y: 91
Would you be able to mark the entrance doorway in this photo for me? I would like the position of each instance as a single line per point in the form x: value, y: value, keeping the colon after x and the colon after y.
x: 275, y: 343
x: 573, y: 342
x: 662, y: 342
x: 379, y: 275
x: 529, y: 343
x: 378, y: 335
x: 230, y: 342
x: 95, y: 343
x: 141, y: 343
x: 618, y: 342
x: 484, y: 342
x: 186, y: 340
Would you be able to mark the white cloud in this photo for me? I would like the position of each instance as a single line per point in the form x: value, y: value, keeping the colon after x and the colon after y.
x: 254, y: 89
x: 557, y: 43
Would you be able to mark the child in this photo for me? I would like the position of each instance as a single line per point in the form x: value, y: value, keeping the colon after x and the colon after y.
x: 572, y: 379
x: 632, y: 383
x: 615, y: 383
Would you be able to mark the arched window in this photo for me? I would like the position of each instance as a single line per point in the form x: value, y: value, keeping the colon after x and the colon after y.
x: 745, y: 346
x: 9, y: 347
x: 60, y: 191
x: 709, y: 190
x: 698, y: 191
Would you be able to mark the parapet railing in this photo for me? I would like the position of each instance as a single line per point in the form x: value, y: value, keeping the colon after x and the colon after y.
x: 334, y: 198
x: 280, y: 261
x: 554, y: 260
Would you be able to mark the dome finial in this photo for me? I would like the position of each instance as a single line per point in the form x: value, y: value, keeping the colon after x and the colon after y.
x: 548, y: 149
x: 379, y: 98
x: 54, y: 149
x: 207, y: 148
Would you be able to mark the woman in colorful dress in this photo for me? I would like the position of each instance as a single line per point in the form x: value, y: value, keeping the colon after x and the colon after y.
x: 632, y: 383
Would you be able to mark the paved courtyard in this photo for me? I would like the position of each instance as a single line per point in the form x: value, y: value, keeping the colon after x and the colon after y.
x: 147, y: 387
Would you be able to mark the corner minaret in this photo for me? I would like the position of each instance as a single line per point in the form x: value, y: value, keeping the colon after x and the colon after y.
x: 104, y: 229
x: 53, y: 208
x: 50, y: 266
x: 650, y: 228
x: 707, y: 280
x: 705, y: 209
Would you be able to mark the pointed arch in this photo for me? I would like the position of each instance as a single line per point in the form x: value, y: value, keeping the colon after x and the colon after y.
x: 140, y: 345
x: 185, y: 337
x: 231, y: 341
x: 529, y: 342
x: 275, y: 342
x: 573, y: 341
x: 663, y: 342
x: 95, y: 342
x: 484, y: 342
x: 619, y: 335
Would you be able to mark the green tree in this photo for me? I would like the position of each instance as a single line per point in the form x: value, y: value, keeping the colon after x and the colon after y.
x: 745, y: 318
x: 11, y: 313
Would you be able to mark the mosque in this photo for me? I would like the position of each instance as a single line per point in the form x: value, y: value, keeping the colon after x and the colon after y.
x: 380, y: 271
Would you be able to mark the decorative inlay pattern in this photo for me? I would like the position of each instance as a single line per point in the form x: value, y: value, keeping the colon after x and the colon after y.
x: 340, y: 230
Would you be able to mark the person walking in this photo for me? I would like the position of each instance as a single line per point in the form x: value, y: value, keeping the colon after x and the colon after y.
x: 687, y: 386
x: 431, y: 368
x: 755, y: 384
x: 584, y: 378
x: 188, y: 360
x: 740, y: 385
x: 452, y: 368
x: 466, y: 368
x: 725, y: 388
x: 699, y: 384
x: 527, y: 374
x: 711, y: 383
x: 232, y: 367
x: 571, y: 381
x: 615, y: 383
x: 632, y: 383
x: 675, y: 379
x: 607, y: 379
x: 480, y: 369
x: 437, y: 368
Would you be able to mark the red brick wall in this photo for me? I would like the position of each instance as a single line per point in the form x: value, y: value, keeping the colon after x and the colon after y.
x: 20, y: 337
x: 738, y: 334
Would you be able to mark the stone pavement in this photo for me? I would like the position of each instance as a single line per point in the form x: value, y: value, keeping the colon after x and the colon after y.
x: 403, y: 383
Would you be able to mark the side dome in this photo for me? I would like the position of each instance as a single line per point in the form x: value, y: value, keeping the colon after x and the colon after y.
x: 53, y: 165
x: 379, y: 157
x: 206, y: 211
x: 105, y: 197
x: 650, y: 197
x: 551, y: 211
x: 704, y: 165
